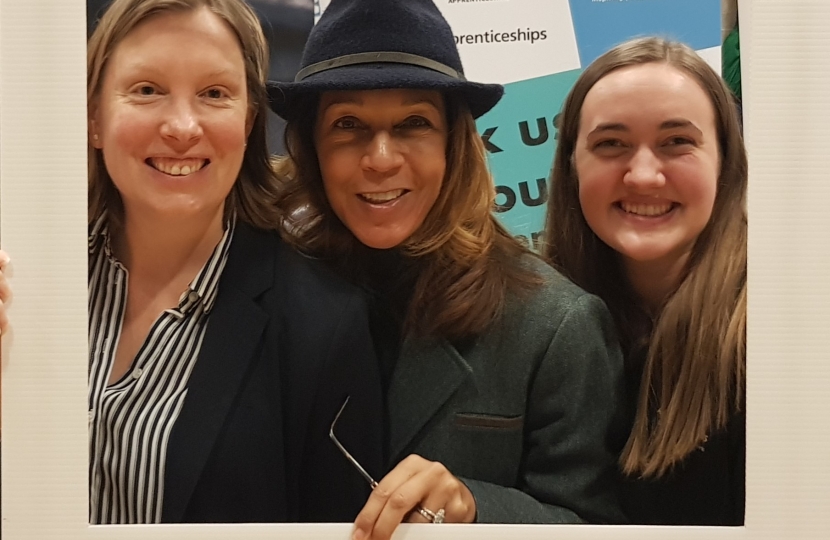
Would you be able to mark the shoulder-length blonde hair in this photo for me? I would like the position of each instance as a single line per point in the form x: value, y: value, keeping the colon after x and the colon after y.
x: 252, y: 196
x: 693, y: 377
x: 466, y: 260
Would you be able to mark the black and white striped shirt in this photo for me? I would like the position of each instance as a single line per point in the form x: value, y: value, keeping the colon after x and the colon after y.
x: 131, y: 420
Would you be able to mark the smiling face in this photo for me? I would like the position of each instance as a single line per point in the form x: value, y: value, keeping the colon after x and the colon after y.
x: 171, y: 117
x: 647, y: 161
x: 382, y: 156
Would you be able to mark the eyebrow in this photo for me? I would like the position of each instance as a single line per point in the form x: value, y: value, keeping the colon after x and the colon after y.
x: 608, y: 126
x: 143, y: 67
x: 672, y: 123
x: 420, y: 101
x: 680, y: 123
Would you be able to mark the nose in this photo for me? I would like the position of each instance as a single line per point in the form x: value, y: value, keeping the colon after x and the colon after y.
x: 181, y: 127
x: 382, y: 154
x: 645, y: 170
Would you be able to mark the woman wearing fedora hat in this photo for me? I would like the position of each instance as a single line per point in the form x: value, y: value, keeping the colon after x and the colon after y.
x: 503, y: 380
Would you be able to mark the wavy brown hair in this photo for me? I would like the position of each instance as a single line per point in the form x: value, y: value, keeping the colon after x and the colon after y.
x: 466, y: 261
x: 254, y: 193
x: 693, y: 379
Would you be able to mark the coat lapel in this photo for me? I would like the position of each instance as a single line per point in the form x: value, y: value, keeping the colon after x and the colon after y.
x: 231, y: 340
x: 426, y: 375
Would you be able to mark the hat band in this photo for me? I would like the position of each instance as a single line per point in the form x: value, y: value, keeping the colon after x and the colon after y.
x: 375, y: 57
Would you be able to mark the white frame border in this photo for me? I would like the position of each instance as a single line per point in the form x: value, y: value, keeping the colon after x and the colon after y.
x: 43, y: 221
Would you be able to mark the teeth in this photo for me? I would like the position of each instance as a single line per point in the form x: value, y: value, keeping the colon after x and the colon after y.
x: 382, y: 197
x: 178, y: 167
x: 646, y: 209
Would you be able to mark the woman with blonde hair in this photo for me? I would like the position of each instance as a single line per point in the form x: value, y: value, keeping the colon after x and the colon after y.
x: 218, y: 356
x: 503, y: 380
x: 648, y: 211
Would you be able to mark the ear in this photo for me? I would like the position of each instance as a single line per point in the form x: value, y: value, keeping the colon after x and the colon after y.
x: 249, y: 122
x: 93, y: 128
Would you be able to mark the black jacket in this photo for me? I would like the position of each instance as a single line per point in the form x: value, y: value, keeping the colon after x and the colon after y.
x: 286, y: 342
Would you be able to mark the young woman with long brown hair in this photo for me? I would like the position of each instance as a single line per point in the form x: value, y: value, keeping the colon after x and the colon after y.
x: 647, y: 211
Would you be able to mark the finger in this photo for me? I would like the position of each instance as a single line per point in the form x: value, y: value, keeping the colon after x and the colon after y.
x: 415, y: 516
x: 4, y: 259
x: 5, y: 296
x: 442, y: 489
x: 4, y: 319
x: 460, y: 509
x: 365, y: 521
x: 5, y: 289
x: 448, y: 493
x: 461, y: 505
x: 400, y: 504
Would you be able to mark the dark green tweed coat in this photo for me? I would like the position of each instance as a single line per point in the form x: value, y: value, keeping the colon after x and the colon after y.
x: 531, y: 416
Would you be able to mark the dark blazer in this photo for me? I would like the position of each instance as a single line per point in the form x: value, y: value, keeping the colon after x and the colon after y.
x: 286, y: 342
x: 531, y: 416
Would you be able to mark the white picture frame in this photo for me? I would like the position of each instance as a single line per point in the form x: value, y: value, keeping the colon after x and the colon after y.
x: 786, y: 76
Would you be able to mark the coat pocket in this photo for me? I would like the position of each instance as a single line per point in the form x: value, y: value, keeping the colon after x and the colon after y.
x: 486, y: 447
x: 479, y: 421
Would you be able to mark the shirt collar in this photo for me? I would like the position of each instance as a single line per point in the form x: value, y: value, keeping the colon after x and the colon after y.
x: 204, y: 287
x: 206, y: 283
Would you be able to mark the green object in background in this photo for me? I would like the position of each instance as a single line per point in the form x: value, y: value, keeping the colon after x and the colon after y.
x: 731, y: 52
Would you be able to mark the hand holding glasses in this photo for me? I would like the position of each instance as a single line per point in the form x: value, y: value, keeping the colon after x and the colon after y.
x: 434, y: 517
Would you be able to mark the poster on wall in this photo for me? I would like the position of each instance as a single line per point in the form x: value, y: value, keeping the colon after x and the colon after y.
x: 537, y: 49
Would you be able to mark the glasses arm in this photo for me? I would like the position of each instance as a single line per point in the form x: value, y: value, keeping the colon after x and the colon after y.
x: 346, y: 453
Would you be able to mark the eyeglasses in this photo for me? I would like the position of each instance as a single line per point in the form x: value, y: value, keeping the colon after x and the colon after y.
x: 435, y: 517
x: 346, y: 453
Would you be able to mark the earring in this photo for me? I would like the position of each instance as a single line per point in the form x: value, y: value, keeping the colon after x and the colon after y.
x: 95, y: 137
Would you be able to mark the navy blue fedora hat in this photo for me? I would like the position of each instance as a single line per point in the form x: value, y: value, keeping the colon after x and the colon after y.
x: 379, y: 44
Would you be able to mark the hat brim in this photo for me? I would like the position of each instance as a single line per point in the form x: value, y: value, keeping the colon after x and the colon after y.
x: 479, y: 97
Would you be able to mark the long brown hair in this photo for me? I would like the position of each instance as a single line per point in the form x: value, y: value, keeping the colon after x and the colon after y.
x: 694, y: 374
x: 466, y: 261
x: 253, y: 194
